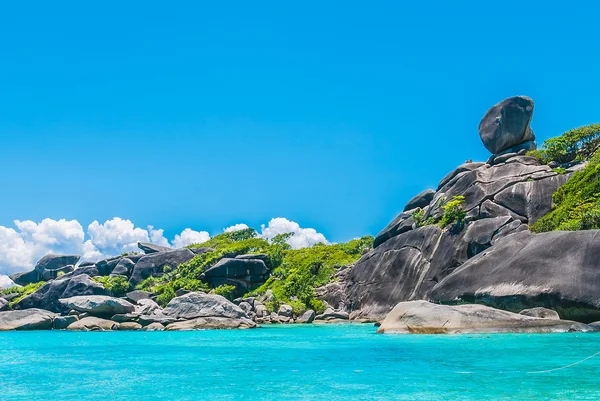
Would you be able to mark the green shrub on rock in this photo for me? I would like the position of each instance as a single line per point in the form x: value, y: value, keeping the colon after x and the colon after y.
x: 117, y: 285
x: 576, y: 203
x: 579, y: 143
x: 225, y: 290
x: 22, y: 291
x: 453, y: 213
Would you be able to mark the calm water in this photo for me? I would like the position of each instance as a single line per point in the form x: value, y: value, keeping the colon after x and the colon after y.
x: 295, y: 363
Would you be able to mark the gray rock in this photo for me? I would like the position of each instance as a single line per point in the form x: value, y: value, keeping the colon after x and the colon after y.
x: 62, y: 322
x: 212, y: 322
x: 196, y: 304
x: 149, y: 248
x: 135, y: 296
x: 154, y: 264
x: 531, y: 199
x: 105, y: 267
x: 199, y: 251
x: 89, y: 270
x: 543, y: 313
x: 48, y: 275
x: 244, y: 274
x: 54, y: 262
x: 125, y: 317
x: 422, y: 317
x: 160, y: 318
x: 261, y: 310
x: 147, y: 307
x: 48, y: 295
x: 124, y: 267
x: 98, y: 305
x: 93, y: 324
x: 401, y: 224
x: 458, y: 172
x: 267, y: 297
x: 25, y: 277
x: 506, y: 124
x: 246, y: 307
x: 420, y: 201
x: 557, y: 270
x: 285, y: 310
x: 30, y: 319
x: 331, y: 314
x: 261, y: 256
x: 307, y: 317
x: 129, y: 326
x: 3, y: 304
x: 153, y: 327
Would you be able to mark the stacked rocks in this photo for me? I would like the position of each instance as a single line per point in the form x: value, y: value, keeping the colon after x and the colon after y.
x: 505, y: 127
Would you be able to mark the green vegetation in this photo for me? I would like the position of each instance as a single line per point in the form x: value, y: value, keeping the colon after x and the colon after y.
x: 22, y: 291
x: 576, y: 203
x: 225, y: 290
x: 576, y: 144
x: 117, y: 285
x: 453, y: 213
x: 303, y: 270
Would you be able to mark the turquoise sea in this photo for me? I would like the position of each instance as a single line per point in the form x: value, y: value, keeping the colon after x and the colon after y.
x: 311, y: 362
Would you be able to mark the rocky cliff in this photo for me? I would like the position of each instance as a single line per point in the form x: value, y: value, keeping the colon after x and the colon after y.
x: 484, y: 252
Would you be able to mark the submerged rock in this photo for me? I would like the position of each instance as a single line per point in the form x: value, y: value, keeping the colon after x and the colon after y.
x: 422, y: 317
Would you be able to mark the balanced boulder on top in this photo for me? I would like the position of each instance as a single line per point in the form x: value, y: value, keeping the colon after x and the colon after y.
x: 505, y: 127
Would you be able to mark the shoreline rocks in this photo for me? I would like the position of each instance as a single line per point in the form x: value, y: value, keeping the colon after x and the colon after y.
x: 422, y: 317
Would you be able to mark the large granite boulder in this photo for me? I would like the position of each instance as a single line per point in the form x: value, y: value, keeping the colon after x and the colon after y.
x: 506, y: 125
x: 98, y: 305
x: 212, y: 322
x: 30, y: 319
x: 420, y: 201
x: 154, y: 264
x: 197, y: 304
x: 3, y: 304
x: 149, y: 248
x: 245, y: 274
x: 559, y: 270
x: 422, y: 317
x: 48, y: 295
x: 93, y: 324
x: 123, y: 268
x: 46, y: 268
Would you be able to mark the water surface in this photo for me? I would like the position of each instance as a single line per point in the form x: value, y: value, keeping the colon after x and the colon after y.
x: 311, y: 362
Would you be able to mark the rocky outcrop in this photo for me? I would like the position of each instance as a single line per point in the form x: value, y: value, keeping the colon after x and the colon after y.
x: 30, y: 319
x: 46, y: 268
x: 3, y: 304
x: 154, y: 264
x: 98, y: 305
x: 505, y: 127
x: 137, y: 295
x: 543, y: 313
x: 149, y: 248
x: 62, y: 322
x: 207, y: 323
x: 123, y: 268
x: 558, y: 270
x: 245, y: 274
x: 48, y: 295
x: 153, y: 327
x: 93, y: 324
x: 307, y: 317
x: 422, y: 317
x: 420, y: 201
x: 197, y: 304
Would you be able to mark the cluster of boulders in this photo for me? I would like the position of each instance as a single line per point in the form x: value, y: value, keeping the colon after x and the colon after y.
x: 136, y: 311
x: 493, y: 258
x: 257, y: 310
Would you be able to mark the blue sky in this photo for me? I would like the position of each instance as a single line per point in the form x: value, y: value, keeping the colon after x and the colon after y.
x: 331, y: 115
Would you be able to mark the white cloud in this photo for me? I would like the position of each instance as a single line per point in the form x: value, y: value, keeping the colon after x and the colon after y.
x: 302, y: 238
x: 189, y: 236
x: 5, y: 282
x: 236, y: 227
x: 22, y: 247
